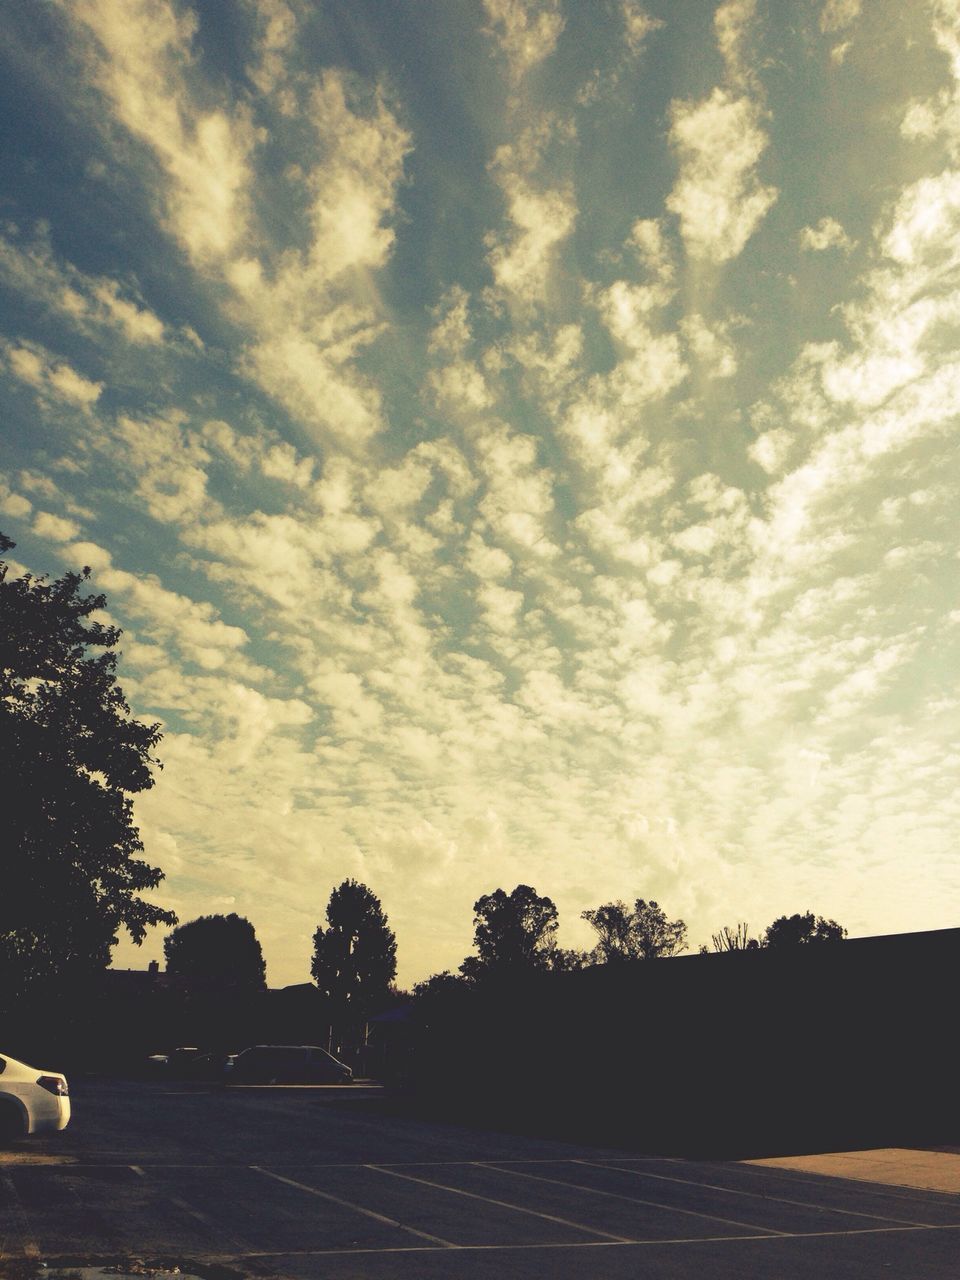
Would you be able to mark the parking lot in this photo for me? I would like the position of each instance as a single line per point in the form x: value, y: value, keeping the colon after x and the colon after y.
x: 331, y: 1182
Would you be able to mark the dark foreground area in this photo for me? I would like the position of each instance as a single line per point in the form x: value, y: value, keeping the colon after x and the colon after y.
x: 332, y: 1182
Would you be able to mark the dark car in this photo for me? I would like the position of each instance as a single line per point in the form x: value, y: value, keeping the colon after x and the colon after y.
x: 176, y: 1062
x: 288, y: 1064
x: 211, y: 1066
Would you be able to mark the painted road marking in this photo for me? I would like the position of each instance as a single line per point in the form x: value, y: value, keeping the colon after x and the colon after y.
x: 194, y: 1213
x: 503, y: 1204
x: 886, y: 1190
x: 553, y: 1246
x: 656, y: 1204
x: 27, y: 1242
x: 357, y: 1208
x: 756, y: 1195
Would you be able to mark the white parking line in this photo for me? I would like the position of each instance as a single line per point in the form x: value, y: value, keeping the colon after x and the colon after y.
x: 357, y: 1208
x: 502, y: 1204
x: 888, y: 1191
x: 27, y: 1242
x: 656, y: 1204
x: 189, y: 1209
x: 181, y: 1204
x: 555, y: 1246
x: 755, y: 1195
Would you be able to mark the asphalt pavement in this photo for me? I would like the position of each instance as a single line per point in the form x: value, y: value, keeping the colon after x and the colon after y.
x: 333, y: 1183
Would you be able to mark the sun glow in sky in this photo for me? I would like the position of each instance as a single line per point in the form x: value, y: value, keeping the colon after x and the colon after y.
x: 517, y: 438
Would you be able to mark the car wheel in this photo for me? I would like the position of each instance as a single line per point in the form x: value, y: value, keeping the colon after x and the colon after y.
x: 12, y: 1124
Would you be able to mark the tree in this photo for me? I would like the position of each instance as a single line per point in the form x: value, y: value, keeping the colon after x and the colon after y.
x: 640, y: 933
x: 70, y: 756
x: 568, y: 959
x: 736, y: 939
x: 355, y: 957
x: 439, y: 986
x: 802, y: 930
x: 216, y: 954
x: 512, y: 932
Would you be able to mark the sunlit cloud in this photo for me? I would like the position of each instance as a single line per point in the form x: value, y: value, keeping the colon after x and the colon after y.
x: 53, y: 378
x: 827, y: 234
x: 525, y: 30
x: 533, y: 467
x: 718, y: 197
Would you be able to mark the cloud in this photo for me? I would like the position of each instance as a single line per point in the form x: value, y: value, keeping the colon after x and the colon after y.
x: 309, y: 312
x: 517, y: 493
x: 278, y: 31
x: 771, y: 448
x: 90, y: 303
x: 526, y: 31
x: 14, y: 504
x: 319, y: 311
x: 457, y: 382
x: 648, y: 240
x: 541, y: 214
x: 938, y: 116
x: 638, y: 25
x: 506, y: 556
x: 354, y: 188
x: 52, y: 377
x: 139, y: 61
x: 837, y: 15
x: 54, y: 528
x: 718, y: 197
x: 711, y: 346
x: 827, y: 234
x: 732, y: 23
x: 167, y: 618
x: 169, y: 464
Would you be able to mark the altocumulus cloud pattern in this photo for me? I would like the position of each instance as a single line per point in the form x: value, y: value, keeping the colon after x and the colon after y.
x: 516, y: 437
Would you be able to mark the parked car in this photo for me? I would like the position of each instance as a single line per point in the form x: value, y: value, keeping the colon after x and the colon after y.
x: 175, y: 1063
x: 211, y: 1066
x: 31, y: 1101
x: 288, y: 1064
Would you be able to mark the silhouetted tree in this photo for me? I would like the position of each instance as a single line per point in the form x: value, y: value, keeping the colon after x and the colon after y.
x: 640, y: 933
x: 437, y: 997
x: 438, y: 986
x: 512, y: 932
x: 70, y: 753
x: 735, y: 939
x: 355, y: 957
x: 568, y: 959
x: 216, y: 954
x: 802, y: 930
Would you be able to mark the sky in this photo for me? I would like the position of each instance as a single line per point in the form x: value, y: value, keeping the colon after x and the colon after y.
x: 516, y: 437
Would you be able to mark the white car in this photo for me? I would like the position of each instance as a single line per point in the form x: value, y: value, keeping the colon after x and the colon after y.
x: 31, y: 1101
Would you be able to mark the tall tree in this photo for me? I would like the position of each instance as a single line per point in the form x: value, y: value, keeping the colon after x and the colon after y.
x: 216, y: 954
x: 642, y: 932
x: 355, y: 957
x: 802, y: 930
x: 70, y: 757
x: 514, y: 931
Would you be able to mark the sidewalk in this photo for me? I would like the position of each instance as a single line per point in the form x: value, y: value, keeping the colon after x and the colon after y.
x: 895, y: 1166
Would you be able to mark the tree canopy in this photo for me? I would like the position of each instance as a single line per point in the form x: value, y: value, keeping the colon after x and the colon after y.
x: 355, y: 957
x: 642, y: 932
x: 216, y: 953
x: 70, y: 756
x: 802, y: 930
x: 512, y: 932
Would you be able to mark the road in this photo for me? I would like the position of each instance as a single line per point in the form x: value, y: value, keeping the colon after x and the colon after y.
x: 331, y: 1184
